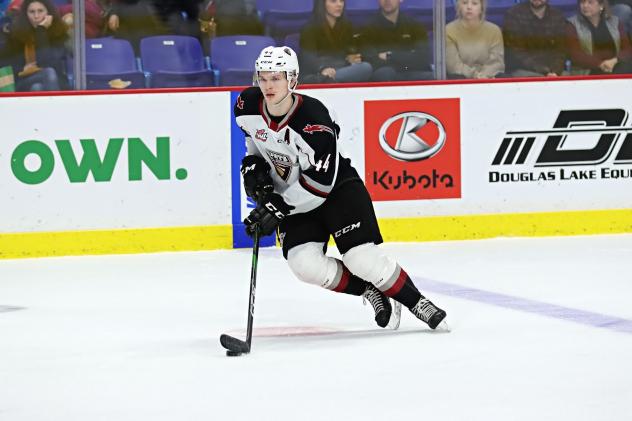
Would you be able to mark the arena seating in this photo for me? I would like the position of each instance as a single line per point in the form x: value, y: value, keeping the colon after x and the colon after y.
x: 108, y: 59
x: 233, y: 57
x: 174, y: 61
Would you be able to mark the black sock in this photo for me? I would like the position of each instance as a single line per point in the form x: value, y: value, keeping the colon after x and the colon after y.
x: 355, y: 286
x: 409, y: 295
x: 405, y: 292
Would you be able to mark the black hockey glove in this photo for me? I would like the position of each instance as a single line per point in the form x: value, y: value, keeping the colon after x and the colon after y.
x: 268, y: 215
x: 257, y: 179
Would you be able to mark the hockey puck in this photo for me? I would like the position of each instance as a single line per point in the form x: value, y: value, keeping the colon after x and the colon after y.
x: 233, y: 353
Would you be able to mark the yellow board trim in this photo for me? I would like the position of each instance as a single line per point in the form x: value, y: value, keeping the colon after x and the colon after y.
x: 472, y: 227
x: 439, y: 228
x: 127, y: 241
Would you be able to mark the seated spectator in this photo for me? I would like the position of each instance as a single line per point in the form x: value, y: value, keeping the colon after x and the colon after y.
x: 534, y: 35
x: 178, y: 16
x: 396, y: 45
x: 133, y: 20
x: 36, y: 47
x: 328, y: 50
x: 597, y: 41
x: 97, y: 13
x: 474, y: 47
x: 623, y: 10
x: 227, y: 17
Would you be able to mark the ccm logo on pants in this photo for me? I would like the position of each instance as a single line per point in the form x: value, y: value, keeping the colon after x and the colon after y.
x: 347, y: 229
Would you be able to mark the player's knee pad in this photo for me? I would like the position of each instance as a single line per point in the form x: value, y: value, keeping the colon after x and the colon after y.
x: 368, y: 262
x: 309, y: 264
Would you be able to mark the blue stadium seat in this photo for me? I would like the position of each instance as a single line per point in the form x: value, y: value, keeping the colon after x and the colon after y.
x: 108, y: 59
x: 360, y: 12
x: 421, y: 11
x: 234, y: 57
x: 283, y: 17
x: 294, y: 42
x: 174, y: 61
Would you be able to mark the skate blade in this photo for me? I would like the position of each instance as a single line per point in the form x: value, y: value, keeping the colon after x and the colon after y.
x: 396, y: 315
x: 443, y: 327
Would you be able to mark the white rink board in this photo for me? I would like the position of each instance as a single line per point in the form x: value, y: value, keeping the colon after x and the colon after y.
x: 488, y: 112
x: 198, y: 128
x: 198, y: 125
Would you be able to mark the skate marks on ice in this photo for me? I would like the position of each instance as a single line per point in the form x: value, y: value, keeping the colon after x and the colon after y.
x: 7, y: 309
x: 584, y: 317
x: 292, y: 333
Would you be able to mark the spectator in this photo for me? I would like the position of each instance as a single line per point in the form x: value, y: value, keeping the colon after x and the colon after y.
x: 328, y: 49
x: 597, y: 40
x: 534, y: 35
x: 623, y: 10
x: 97, y: 12
x: 396, y: 45
x: 133, y: 20
x: 178, y: 16
x: 227, y: 17
x: 36, y: 47
x: 474, y: 46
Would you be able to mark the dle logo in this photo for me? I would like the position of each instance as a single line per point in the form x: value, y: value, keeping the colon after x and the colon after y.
x: 578, y: 138
x: 409, y: 146
x: 412, y: 149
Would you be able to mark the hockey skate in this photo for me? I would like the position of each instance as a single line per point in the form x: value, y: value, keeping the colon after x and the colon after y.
x: 386, y: 314
x: 396, y: 314
x: 426, y: 311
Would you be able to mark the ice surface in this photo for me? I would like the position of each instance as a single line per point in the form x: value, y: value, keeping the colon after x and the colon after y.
x: 540, y: 330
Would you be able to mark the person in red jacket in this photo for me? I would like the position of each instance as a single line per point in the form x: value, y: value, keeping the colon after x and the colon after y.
x: 98, y: 17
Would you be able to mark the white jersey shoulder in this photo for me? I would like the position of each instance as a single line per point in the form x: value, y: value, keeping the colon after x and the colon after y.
x: 301, y: 147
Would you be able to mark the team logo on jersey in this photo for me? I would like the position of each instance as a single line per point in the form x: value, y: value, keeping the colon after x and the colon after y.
x: 282, y: 164
x: 312, y: 128
x: 261, y: 134
x: 240, y: 103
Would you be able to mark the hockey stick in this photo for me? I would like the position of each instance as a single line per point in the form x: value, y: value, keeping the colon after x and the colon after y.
x: 234, y: 346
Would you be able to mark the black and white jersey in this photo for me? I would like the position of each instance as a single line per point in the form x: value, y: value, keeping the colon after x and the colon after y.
x: 301, y: 147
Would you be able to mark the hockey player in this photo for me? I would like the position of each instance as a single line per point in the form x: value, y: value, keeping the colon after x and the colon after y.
x: 304, y: 188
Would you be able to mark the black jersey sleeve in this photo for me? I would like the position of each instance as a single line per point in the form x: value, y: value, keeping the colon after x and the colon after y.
x: 318, y: 144
x: 247, y: 102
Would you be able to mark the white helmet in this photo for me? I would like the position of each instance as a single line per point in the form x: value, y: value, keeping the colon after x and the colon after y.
x: 279, y: 59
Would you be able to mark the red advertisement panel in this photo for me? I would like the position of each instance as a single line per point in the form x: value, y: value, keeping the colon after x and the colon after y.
x: 413, y: 149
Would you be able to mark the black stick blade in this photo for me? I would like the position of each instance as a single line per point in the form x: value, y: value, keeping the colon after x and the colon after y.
x: 234, y: 344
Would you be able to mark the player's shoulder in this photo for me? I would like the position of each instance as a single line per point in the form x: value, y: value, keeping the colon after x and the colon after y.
x: 248, y: 101
x: 313, y: 116
x: 313, y: 105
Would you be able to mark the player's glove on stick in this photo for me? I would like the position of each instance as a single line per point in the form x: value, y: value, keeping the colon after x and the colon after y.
x: 268, y: 215
x: 257, y: 179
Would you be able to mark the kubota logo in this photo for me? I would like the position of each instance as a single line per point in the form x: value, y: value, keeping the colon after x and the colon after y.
x: 420, y: 136
x: 33, y: 161
x: 412, y: 148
